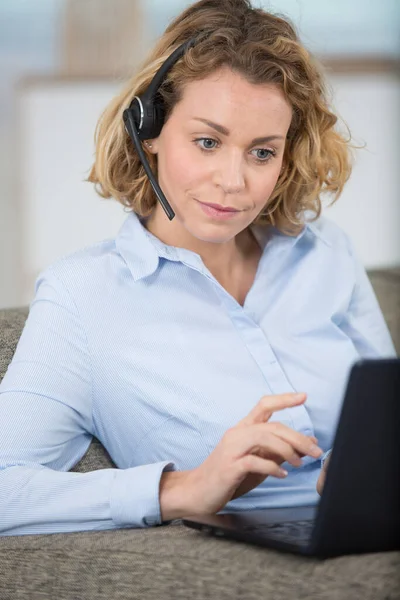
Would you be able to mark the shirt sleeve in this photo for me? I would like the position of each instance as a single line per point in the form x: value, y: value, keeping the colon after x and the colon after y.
x: 364, y: 322
x: 46, y: 426
x: 325, y: 456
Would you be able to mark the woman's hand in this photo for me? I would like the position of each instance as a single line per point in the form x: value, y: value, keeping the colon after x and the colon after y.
x: 246, y: 455
x: 322, y: 476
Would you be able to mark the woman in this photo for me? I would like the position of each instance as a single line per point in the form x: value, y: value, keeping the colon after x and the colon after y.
x: 180, y: 344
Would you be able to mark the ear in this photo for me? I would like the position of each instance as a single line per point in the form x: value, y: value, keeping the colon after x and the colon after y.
x: 152, y: 145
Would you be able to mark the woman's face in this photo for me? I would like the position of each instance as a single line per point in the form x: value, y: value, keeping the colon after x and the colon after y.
x: 214, y: 149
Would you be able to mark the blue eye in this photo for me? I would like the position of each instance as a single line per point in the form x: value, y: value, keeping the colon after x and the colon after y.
x: 209, y: 144
x: 265, y: 154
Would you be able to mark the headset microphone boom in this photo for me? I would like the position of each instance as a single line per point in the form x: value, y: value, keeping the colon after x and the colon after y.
x: 144, y: 119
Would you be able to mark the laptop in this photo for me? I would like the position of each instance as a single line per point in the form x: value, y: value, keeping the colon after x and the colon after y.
x: 359, y: 509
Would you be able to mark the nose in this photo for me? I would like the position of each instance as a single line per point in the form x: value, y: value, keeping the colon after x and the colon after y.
x: 229, y: 173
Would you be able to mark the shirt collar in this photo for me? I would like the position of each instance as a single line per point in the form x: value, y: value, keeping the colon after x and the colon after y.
x: 142, y: 250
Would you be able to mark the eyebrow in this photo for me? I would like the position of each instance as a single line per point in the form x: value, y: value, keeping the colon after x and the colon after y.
x: 225, y: 131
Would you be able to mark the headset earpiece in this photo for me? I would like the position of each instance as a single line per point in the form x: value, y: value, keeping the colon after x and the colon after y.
x: 148, y: 114
x: 145, y: 117
x: 147, y: 110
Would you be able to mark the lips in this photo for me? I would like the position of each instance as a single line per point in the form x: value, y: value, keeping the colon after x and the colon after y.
x: 219, y: 207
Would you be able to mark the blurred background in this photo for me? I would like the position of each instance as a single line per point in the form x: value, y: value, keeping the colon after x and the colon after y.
x: 61, y: 62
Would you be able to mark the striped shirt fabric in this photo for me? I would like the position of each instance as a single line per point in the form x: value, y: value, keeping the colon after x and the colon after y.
x: 135, y: 342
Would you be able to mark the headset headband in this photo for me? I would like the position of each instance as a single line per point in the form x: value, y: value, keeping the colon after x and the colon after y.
x: 144, y: 118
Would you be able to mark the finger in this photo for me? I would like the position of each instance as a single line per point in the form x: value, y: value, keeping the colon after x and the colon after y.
x: 276, y: 449
x: 259, y: 441
x: 255, y: 464
x: 326, y: 463
x: 321, y: 482
x: 301, y: 443
x: 313, y: 439
x: 322, y: 476
x: 270, y: 404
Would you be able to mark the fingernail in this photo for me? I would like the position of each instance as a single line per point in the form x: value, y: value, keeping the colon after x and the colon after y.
x: 298, y: 396
x: 283, y: 473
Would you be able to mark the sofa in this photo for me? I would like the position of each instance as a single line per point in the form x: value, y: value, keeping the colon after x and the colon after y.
x: 173, y: 561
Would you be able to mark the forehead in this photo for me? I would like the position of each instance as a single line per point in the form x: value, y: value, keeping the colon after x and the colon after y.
x: 226, y: 94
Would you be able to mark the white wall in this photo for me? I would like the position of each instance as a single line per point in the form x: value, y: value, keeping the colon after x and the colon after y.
x: 327, y: 27
x: 369, y: 208
x: 59, y: 213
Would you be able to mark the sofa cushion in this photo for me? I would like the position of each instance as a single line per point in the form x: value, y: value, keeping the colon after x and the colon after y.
x: 11, y: 324
x: 173, y: 562
x: 386, y: 284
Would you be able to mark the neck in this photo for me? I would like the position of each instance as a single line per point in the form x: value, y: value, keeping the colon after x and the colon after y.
x: 223, y: 259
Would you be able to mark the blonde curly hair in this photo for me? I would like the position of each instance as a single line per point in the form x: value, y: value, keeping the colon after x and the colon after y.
x: 264, y: 48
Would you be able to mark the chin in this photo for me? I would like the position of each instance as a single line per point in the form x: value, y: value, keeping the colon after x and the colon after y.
x: 212, y: 232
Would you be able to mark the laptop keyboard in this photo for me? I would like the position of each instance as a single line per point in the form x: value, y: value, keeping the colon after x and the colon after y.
x: 292, y: 531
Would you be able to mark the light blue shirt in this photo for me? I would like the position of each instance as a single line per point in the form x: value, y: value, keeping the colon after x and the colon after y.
x: 135, y: 342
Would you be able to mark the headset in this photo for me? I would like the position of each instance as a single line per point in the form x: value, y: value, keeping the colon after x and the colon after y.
x: 145, y: 117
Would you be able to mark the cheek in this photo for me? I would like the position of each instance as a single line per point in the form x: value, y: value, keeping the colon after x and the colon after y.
x: 264, y: 185
x: 180, y: 167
